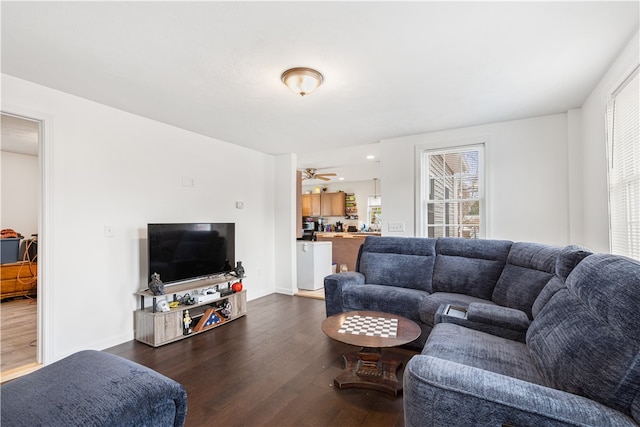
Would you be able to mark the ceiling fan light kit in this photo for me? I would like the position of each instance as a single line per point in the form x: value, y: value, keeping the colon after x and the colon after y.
x: 302, y: 80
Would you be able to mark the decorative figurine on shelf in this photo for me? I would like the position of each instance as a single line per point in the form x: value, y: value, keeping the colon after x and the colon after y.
x: 237, y: 287
x: 226, y: 309
x: 163, y: 305
x: 187, y: 299
x: 186, y: 330
x: 239, y: 269
x: 155, y: 285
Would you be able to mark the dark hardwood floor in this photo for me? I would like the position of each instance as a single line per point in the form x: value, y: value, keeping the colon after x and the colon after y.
x: 273, y: 367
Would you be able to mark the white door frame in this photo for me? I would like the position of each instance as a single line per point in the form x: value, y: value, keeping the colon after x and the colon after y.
x: 45, y: 227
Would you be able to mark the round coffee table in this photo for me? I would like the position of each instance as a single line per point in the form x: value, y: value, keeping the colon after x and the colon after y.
x: 372, y: 331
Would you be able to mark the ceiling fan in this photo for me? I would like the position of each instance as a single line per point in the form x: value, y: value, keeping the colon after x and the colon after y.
x: 311, y: 173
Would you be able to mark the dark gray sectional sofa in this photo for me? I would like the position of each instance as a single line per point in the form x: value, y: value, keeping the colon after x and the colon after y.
x: 551, y: 335
x: 93, y: 388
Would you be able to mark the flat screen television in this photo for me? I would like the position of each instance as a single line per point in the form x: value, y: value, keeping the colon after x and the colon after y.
x: 183, y: 252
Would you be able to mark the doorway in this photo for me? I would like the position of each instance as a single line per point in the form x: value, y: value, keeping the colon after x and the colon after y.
x: 21, y: 212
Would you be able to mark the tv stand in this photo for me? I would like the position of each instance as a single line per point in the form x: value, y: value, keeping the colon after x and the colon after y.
x: 157, y: 328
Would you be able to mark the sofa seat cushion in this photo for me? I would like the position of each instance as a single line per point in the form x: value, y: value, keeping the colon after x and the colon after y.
x: 388, y: 299
x: 482, y: 350
x: 430, y: 305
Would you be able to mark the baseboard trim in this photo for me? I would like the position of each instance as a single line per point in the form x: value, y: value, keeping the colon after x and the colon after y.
x: 14, y: 373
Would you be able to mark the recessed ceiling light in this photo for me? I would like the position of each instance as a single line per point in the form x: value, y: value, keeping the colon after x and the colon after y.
x: 371, y: 157
x: 341, y: 178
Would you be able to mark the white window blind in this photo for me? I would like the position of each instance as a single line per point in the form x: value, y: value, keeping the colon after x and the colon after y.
x: 452, y: 198
x: 623, y: 139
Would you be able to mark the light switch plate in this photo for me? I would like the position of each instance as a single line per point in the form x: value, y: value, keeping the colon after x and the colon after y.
x: 397, y: 227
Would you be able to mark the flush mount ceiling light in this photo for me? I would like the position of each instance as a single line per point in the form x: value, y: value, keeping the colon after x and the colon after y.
x: 302, y: 80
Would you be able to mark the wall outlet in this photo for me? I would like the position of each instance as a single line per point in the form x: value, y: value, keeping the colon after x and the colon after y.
x: 188, y: 181
x: 397, y: 227
x: 108, y: 231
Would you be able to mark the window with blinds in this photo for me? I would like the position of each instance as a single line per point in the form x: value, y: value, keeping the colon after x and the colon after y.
x: 452, y: 189
x: 623, y: 141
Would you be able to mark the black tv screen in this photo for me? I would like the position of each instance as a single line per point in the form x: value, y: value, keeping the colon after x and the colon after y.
x: 181, y: 252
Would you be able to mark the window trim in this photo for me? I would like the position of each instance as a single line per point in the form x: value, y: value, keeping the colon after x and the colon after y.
x: 421, y: 190
x: 620, y: 85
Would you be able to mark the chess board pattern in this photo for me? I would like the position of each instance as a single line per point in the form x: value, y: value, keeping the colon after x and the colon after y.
x: 369, y: 326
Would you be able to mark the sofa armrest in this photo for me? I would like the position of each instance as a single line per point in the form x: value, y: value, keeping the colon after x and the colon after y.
x: 333, y: 287
x: 504, y: 317
x: 438, y: 392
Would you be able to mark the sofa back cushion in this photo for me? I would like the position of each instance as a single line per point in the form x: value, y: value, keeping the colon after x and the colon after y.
x: 567, y: 259
x: 468, y: 266
x: 529, y: 268
x: 586, y: 339
x: 405, y: 262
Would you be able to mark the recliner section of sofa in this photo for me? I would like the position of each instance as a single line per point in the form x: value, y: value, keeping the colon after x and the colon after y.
x: 532, y: 274
x: 586, y: 339
x: 580, y: 365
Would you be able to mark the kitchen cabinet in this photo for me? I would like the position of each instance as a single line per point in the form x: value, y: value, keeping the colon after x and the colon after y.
x: 311, y: 205
x: 332, y: 204
x: 323, y: 204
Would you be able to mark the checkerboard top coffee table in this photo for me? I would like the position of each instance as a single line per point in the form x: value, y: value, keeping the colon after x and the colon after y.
x: 371, y: 330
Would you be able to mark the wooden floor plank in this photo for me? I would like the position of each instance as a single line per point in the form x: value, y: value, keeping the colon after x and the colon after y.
x: 18, y: 333
x: 273, y: 367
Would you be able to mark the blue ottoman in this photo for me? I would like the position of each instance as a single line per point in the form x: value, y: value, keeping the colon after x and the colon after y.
x: 92, y: 388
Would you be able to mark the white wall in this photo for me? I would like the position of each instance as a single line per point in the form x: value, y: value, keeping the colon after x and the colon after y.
x: 284, y: 254
x: 526, y: 177
x: 113, y: 168
x: 593, y: 153
x: 575, y: 169
x: 19, y: 193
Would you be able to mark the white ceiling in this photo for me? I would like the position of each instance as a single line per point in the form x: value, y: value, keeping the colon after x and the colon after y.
x: 19, y: 135
x: 391, y: 69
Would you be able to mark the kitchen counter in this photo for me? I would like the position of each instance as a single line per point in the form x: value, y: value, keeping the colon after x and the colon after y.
x: 344, y: 247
